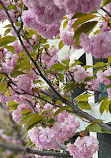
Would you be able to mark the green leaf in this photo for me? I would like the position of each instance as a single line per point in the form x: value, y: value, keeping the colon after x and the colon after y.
x: 45, y: 112
x: 2, y: 79
x: 83, y: 97
x: 34, y: 118
x: 109, y: 77
x: 83, y: 19
x: 109, y: 59
x: 62, y: 109
x: 106, y: 2
x: 106, y: 87
x: 105, y: 130
x: 25, y: 111
x: 69, y: 86
x: 103, y: 105
x: 11, y: 103
x: 21, y: 5
x: 94, y: 128
x: 11, y: 6
x: 57, y: 67
x: 96, y: 32
x: 16, y: 73
x: 84, y: 105
x: 86, y: 28
x: 94, y: 73
x: 51, y: 121
x: 1, y: 6
x: 10, y: 48
x: 77, y: 62
x: 31, y: 126
x: 29, y: 144
x: 61, y: 77
x: 6, y: 40
x: 77, y: 15
x: 13, y: 107
x: 103, y: 98
x: 99, y: 64
x: 61, y: 44
x: 110, y: 108
x: 6, y: 32
x: 25, y: 118
x: 66, y: 62
x: 90, y: 78
x: 65, y: 24
x: 87, y: 66
x: 9, y: 25
x: 3, y: 87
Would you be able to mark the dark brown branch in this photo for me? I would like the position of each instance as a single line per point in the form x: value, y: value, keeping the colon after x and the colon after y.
x: 32, y: 151
x: 109, y: 14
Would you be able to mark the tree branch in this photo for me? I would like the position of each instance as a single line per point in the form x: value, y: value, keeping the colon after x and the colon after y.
x: 32, y: 151
x: 109, y: 14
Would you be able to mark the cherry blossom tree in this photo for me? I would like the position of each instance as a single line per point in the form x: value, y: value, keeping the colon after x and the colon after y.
x: 37, y: 87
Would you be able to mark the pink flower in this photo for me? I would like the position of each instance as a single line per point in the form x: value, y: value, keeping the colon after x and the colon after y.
x: 83, y: 147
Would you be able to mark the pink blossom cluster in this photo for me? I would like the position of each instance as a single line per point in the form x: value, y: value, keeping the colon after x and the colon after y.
x: 92, y: 84
x: 23, y: 83
x: 67, y: 38
x: 99, y: 45
x: 102, y: 77
x: 108, y: 7
x: 45, y: 16
x: 72, y: 6
x: 8, y: 62
x: 49, y: 58
x: 17, y: 113
x: 83, y: 147
x: 80, y: 74
x: 63, y: 129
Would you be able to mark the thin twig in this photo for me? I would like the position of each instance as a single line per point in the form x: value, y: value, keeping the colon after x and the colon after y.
x: 37, y: 56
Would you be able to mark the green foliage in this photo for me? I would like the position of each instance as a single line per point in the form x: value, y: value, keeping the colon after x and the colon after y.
x: 94, y: 126
x: 65, y: 23
x: 6, y: 32
x: 84, y: 28
x: 99, y: 64
x: 83, y: 97
x: 62, y: 109
x: 83, y: 19
x: 103, y: 105
x: 6, y: 40
x: 11, y: 6
x: 35, y: 118
x: 60, y: 45
x: 12, y: 105
x: 84, y: 105
x: 57, y: 67
x: 77, y: 15
x: 10, y: 48
x: 106, y: 2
